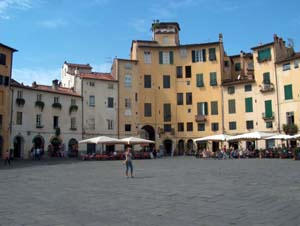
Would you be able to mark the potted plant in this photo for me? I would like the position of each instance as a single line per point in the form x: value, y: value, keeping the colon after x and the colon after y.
x: 20, y: 101
x: 40, y: 104
x: 73, y: 108
x: 56, y: 105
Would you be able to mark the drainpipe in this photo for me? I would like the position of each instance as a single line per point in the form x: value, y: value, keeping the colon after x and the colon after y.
x: 82, y: 116
x: 277, y: 96
x: 11, y: 107
x: 118, y: 95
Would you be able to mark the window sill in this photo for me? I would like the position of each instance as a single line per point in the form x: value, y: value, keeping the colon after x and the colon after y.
x: 39, y: 127
x: 73, y: 129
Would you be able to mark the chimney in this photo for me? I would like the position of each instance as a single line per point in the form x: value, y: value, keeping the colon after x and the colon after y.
x: 220, y: 37
x: 275, y: 37
x: 34, y: 85
x: 54, y: 84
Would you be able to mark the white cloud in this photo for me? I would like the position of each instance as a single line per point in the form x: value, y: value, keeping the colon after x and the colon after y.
x: 55, y: 23
x: 6, y: 5
x: 41, y: 76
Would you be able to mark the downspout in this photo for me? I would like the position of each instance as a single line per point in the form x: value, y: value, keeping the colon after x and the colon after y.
x: 222, y: 75
x: 118, y: 94
x: 82, y: 113
x: 277, y: 96
x: 11, y: 106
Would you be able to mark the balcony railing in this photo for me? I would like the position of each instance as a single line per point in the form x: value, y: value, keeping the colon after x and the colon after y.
x: 200, y: 118
x: 267, y: 87
x: 268, y: 117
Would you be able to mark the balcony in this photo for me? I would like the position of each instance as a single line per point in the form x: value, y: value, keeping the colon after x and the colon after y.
x: 268, y: 117
x: 266, y: 87
x: 200, y: 118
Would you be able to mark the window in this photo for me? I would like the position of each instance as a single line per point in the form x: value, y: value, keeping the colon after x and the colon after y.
x: 226, y: 63
x: 183, y: 53
x: 214, y: 107
x: 179, y: 98
x: 288, y: 92
x: 6, y: 81
x: 92, y: 124
x: 286, y: 67
x: 20, y: 94
x: 231, y: 90
x: 296, y: 63
x: 213, y: 79
x: 147, y: 57
x: 19, y: 118
x: 2, y: 59
x: 147, y: 81
x: 165, y: 40
x: 110, y: 102
x: 250, y: 66
x: 180, y: 127
x: 189, y: 99
x: 56, y: 99
x: 73, y: 101
x: 167, y: 112
x: 92, y: 83
x: 248, y: 104
x: 110, y: 124
x: 214, y: 126
x: 92, y: 101
x: 231, y: 106
x: 110, y: 86
x: 179, y: 71
x: 39, y: 97
x: 202, y: 108
x: 232, y: 125
x: 269, y: 125
x: 128, y: 81
x: 188, y: 71
x: 290, y: 118
x: 166, y: 81
x: 38, y: 121
x: 237, y: 66
x: 136, y: 97
x: 212, y: 54
x: 199, y: 80
x: 249, y: 124
x: 166, y: 57
x: 147, y: 110
x: 1, y: 79
x: 127, y: 127
x: 128, y: 66
x: 201, y: 126
x: 55, y: 122
x: 268, y: 109
x: 73, y: 123
x: 189, y: 126
x: 199, y: 55
x: 264, y: 55
x: 266, y: 78
x: 167, y: 127
x: 248, y: 88
x: 127, y: 103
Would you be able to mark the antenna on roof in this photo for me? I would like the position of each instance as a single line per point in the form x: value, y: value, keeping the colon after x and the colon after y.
x: 291, y: 43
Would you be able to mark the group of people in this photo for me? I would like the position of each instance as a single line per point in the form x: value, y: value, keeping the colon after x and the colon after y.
x: 230, y: 153
x: 36, y: 153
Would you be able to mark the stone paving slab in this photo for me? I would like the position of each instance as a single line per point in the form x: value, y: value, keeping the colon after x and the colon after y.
x: 171, y: 191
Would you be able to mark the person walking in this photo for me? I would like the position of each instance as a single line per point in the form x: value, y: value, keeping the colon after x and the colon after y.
x: 128, y: 162
x: 7, y: 158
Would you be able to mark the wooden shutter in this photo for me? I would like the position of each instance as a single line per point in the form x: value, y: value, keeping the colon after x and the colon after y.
x: 193, y: 56
x: 160, y: 57
x: 204, y: 54
x: 171, y: 55
x: 206, y: 108
x: 288, y: 92
x: 249, y: 105
x: 231, y: 106
x: 268, y: 109
x: 266, y: 77
x: 199, y: 80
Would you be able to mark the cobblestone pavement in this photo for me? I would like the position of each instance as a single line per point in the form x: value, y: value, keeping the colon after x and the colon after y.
x: 178, y: 191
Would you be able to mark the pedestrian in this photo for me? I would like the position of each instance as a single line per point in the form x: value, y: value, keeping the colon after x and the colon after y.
x: 7, y: 158
x: 128, y: 162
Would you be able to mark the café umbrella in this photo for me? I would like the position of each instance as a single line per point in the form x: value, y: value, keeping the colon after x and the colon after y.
x: 101, y: 140
x: 252, y: 136
x: 280, y: 137
x: 135, y: 140
x: 220, y: 137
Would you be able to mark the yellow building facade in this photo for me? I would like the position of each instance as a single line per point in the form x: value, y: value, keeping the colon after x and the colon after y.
x: 6, y: 61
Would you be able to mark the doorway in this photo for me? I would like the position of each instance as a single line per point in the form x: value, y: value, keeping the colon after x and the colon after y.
x: 168, y: 145
x: 18, y: 147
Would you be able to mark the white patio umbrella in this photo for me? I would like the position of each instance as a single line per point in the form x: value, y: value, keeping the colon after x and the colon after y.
x: 297, y: 136
x: 220, y: 137
x: 252, y: 136
x: 135, y: 140
x: 101, y: 140
x: 280, y: 137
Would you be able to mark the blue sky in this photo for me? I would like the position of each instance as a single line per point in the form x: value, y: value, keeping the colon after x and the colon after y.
x: 48, y: 32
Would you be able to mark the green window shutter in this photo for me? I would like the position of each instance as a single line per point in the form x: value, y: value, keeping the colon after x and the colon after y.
x: 288, y: 92
x: 214, y: 107
x: 160, y: 57
x: 171, y: 57
x: 266, y: 77
x: 204, y: 54
x: 213, y: 78
x: 206, y: 108
x: 231, y: 106
x: 212, y: 54
x: 193, y: 56
x: 268, y: 109
x: 249, y: 105
x: 199, y: 78
x: 264, y: 54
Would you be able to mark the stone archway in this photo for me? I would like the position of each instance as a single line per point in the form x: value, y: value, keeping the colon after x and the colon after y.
x: 149, y: 133
x: 190, y: 146
x: 18, y: 147
x: 168, y: 145
x: 180, y: 147
x: 38, y: 142
x: 73, y: 148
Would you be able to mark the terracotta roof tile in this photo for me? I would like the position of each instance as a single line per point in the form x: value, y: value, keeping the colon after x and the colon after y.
x: 78, y: 65
x: 98, y: 76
